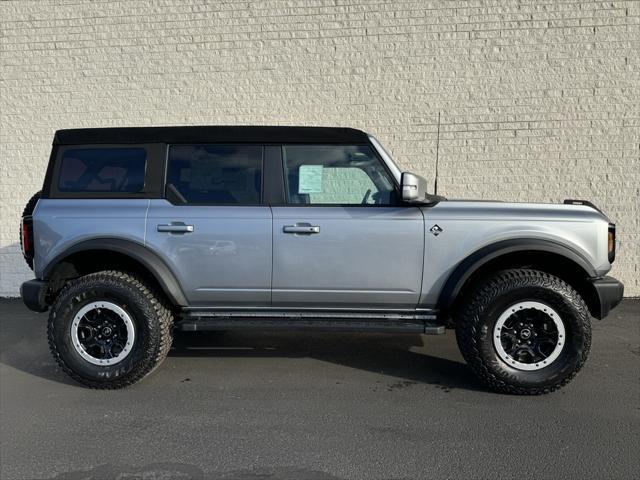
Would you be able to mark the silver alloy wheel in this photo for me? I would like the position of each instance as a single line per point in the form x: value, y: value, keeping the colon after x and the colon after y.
x: 102, y: 333
x: 529, y: 336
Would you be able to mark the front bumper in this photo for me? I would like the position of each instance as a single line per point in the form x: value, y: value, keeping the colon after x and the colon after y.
x: 33, y: 293
x: 609, y: 292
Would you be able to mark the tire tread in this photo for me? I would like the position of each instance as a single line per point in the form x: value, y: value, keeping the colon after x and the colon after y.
x: 468, y: 319
x: 159, y: 347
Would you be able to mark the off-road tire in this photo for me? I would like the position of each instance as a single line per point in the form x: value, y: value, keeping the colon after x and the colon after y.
x: 28, y: 210
x: 479, y: 312
x: 150, y: 314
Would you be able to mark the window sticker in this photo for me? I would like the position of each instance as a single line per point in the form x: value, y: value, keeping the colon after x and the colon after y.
x: 310, y: 179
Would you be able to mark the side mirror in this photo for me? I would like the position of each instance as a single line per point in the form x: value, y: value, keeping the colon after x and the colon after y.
x: 414, y: 188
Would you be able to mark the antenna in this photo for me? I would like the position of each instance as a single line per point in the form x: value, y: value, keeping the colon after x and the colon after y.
x: 435, y: 183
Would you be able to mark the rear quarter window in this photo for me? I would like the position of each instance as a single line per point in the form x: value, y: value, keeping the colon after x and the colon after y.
x: 102, y: 170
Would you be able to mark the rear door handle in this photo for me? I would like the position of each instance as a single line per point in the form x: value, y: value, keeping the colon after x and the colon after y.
x: 304, y: 229
x: 176, y: 228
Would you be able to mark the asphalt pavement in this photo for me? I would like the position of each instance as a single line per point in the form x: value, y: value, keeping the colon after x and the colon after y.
x: 315, y: 406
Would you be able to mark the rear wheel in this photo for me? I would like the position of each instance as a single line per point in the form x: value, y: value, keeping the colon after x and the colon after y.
x: 524, y: 332
x: 109, y: 329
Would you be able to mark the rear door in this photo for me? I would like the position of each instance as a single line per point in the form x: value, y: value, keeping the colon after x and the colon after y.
x: 343, y: 240
x: 213, y: 229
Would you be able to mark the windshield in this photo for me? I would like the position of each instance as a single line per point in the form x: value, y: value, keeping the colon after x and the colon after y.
x: 387, y: 158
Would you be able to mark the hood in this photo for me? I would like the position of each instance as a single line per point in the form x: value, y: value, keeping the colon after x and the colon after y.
x: 568, y: 210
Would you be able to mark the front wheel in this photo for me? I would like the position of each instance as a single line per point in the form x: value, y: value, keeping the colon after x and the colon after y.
x: 524, y: 332
x: 109, y: 329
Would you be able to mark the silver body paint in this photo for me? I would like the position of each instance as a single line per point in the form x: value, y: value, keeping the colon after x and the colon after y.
x: 468, y: 226
x: 382, y: 258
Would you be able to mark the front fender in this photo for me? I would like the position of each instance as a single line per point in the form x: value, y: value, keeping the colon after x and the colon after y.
x: 467, y: 267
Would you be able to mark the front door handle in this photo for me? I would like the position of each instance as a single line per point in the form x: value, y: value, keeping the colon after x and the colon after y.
x: 305, y: 229
x: 176, y: 228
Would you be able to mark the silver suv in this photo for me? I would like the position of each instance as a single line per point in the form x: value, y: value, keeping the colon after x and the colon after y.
x: 140, y: 231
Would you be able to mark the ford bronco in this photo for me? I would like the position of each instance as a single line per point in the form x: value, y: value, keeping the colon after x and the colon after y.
x: 141, y: 231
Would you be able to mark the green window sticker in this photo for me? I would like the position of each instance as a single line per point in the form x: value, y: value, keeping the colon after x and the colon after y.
x: 310, y: 179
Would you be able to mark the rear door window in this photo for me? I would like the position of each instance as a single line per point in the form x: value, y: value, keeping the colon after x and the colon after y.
x: 216, y: 174
x: 102, y: 170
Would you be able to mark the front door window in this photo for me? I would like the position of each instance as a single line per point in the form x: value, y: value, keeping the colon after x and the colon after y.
x: 336, y: 175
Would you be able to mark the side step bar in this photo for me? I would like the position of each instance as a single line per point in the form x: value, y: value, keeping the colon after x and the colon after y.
x: 203, y: 320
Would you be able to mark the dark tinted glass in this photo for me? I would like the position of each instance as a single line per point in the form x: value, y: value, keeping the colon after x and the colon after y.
x: 102, y: 170
x: 213, y: 174
x: 336, y: 174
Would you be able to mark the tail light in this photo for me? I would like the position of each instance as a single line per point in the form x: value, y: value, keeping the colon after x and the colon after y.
x: 611, y: 242
x: 27, y: 237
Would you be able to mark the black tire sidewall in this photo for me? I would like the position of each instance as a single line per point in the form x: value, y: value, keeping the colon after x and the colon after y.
x: 85, y: 291
x: 480, y: 309
x: 572, y: 352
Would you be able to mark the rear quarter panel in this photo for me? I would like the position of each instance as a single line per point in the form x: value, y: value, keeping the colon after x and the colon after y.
x: 58, y: 224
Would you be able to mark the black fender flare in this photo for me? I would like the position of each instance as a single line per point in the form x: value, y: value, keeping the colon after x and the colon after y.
x: 138, y: 252
x: 467, y: 267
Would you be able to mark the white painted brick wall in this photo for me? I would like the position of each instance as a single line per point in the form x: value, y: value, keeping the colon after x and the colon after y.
x: 539, y: 99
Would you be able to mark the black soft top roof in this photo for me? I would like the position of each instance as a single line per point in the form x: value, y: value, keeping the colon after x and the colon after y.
x: 206, y: 134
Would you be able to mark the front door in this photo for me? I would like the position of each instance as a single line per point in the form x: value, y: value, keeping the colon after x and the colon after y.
x: 343, y: 240
x: 213, y: 230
